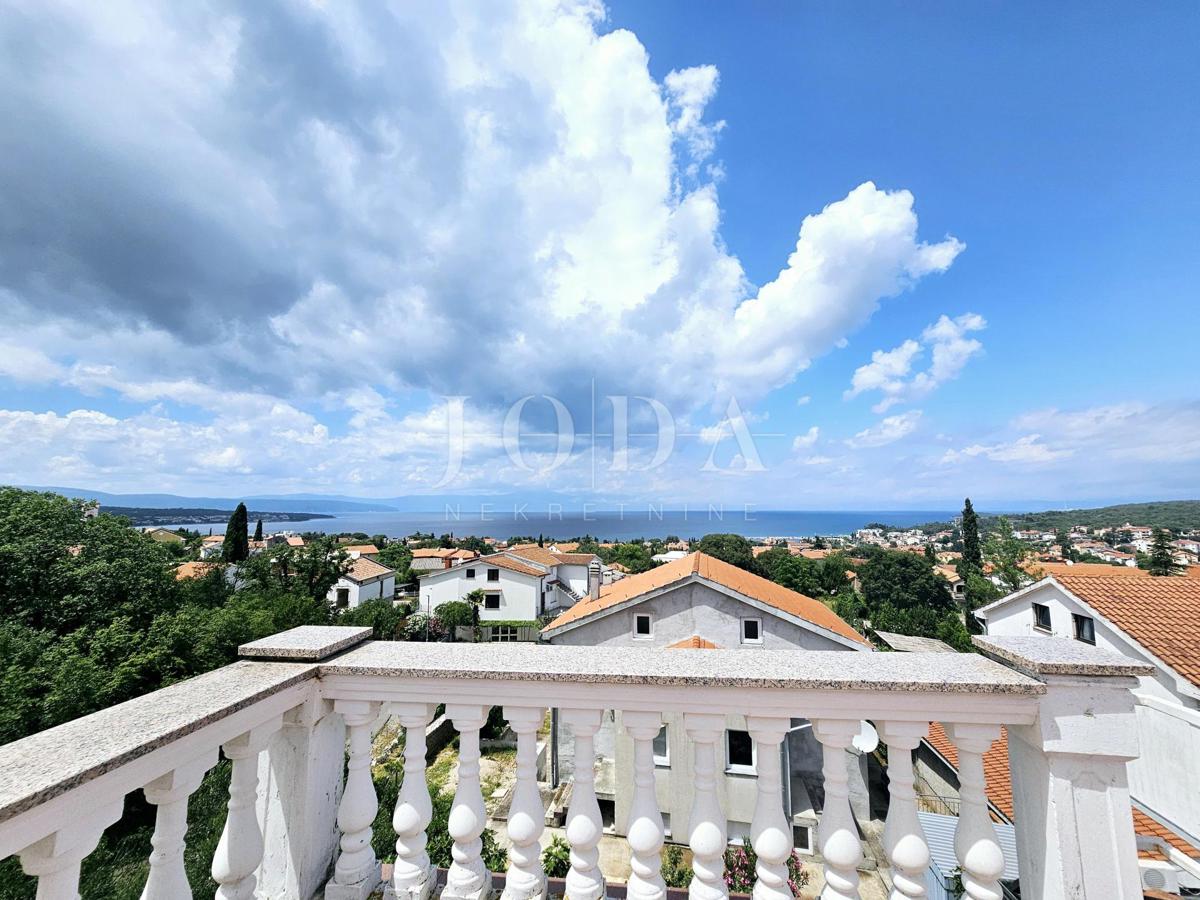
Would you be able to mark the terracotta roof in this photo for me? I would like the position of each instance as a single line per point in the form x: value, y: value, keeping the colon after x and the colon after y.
x: 695, y: 642
x: 1162, y: 614
x: 500, y: 561
x: 360, y: 548
x: 213, y: 539
x: 193, y: 570
x: 544, y: 557
x: 295, y: 541
x: 363, y: 569
x: 432, y: 553
x: 711, y: 569
x: 619, y: 567
x: 1092, y: 569
x: 999, y: 790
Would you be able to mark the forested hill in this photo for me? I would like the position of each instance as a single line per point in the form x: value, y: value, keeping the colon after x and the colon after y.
x: 1176, y: 515
x: 140, y: 515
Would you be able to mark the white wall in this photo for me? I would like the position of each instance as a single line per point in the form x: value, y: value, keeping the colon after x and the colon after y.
x: 576, y: 577
x: 520, y: 595
x: 360, y: 593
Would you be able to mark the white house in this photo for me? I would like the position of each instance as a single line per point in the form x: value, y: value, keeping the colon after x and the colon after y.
x: 1153, y: 620
x: 431, y: 559
x: 365, y: 580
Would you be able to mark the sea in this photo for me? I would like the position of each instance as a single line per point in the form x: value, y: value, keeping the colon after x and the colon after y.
x: 617, y: 525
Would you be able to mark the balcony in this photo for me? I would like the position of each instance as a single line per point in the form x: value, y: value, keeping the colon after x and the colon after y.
x: 295, y: 719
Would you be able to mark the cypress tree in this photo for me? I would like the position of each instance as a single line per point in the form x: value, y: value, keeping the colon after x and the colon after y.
x: 237, y: 544
x: 971, y: 554
x: 930, y: 553
x: 258, y: 531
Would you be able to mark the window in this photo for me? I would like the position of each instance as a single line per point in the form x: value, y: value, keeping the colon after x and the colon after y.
x: 1041, y: 616
x: 739, y: 752
x: 493, y: 574
x: 491, y: 601
x: 343, y: 597
x: 802, y: 838
x: 662, y: 752
x: 641, y: 625
x: 751, y: 631
x: 470, y: 573
x: 1085, y: 629
x: 504, y: 633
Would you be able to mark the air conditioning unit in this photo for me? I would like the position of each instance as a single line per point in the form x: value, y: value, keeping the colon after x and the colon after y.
x: 1159, y: 876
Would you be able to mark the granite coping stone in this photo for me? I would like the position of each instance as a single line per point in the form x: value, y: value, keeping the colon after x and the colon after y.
x: 38, y: 768
x: 1035, y: 656
x: 960, y: 673
x: 307, y: 642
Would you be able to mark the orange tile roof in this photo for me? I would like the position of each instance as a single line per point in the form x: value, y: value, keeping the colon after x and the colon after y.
x: 695, y: 642
x: 295, y: 541
x: 999, y: 789
x: 432, y: 553
x: 360, y: 548
x: 719, y: 572
x: 544, y: 557
x: 1093, y: 569
x: 500, y: 561
x: 1162, y: 614
x: 193, y: 570
x: 363, y: 569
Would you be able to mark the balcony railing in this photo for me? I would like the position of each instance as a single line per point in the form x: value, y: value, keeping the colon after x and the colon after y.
x: 295, y: 720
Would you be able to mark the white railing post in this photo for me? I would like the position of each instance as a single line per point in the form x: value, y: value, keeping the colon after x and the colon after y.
x: 55, y: 859
x: 1070, y: 785
x: 413, y: 874
x: 837, y: 830
x: 468, y: 877
x: 356, y: 874
x: 975, y: 843
x: 584, y: 880
x: 771, y: 830
x: 240, y: 849
x: 707, y: 834
x: 903, y: 837
x: 645, y: 830
x: 525, y: 880
x: 168, y: 879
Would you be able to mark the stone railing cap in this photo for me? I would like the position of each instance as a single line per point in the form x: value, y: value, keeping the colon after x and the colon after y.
x: 1035, y: 656
x: 307, y: 642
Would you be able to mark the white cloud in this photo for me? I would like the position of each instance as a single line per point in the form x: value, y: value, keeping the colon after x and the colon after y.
x: 888, y: 370
x: 806, y: 440
x: 887, y: 431
x: 1026, y: 449
x: 804, y: 400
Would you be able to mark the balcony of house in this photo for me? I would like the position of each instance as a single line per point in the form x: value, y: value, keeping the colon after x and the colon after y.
x: 295, y: 719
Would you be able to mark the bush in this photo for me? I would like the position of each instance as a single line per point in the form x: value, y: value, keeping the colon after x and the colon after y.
x: 556, y: 858
x: 422, y: 627
x: 740, y: 873
x: 675, y: 873
x: 456, y: 613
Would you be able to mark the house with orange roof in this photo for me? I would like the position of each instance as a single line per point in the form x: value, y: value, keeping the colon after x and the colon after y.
x: 365, y: 580
x: 1155, y: 620
x: 702, y: 604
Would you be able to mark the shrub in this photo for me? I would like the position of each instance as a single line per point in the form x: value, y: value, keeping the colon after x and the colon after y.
x: 456, y: 613
x: 556, y: 858
x: 740, y: 872
x: 675, y: 873
x: 422, y: 627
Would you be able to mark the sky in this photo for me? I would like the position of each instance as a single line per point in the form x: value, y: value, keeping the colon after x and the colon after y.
x: 804, y: 256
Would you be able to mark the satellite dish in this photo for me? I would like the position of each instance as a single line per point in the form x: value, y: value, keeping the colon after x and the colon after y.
x: 867, y: 738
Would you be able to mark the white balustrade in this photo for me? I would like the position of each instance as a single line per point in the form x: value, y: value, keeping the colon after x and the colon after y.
x: 55, y: 860
x: 413, y: 874
x: 771, y: 829
x: 356, y: 874
x: 526, y: 880
x: 975, y: 843
x: 707, y: 836
x: 468, y: 878
x: 838, y: 832
x: 903, y: 837
x: 645, y: 829
x: 584, y: 880
x: 240, y: 849
x: 169, y: 793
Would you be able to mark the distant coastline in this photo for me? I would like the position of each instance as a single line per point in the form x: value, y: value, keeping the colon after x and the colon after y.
x: 142, y: 516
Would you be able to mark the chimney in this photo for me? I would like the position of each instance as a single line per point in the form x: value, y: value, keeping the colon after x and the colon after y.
x: 594, y: 579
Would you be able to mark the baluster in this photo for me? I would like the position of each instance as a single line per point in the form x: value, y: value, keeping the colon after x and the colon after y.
x: 413, y: 875
x: 468, y: 878
x: 584, y: 880
x: 168, y: 879
x: 903, y: 837
x: 645, y: 830
x: 975, y: 843
x: 526, y: 815
x: 55, y: 860
x: 837, y: 830
x: 240, y: 850
x: 356, y: 873
x: 771, y: 830
x: 707, y: 836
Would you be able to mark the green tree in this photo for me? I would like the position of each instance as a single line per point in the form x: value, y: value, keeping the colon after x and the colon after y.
x: 732, y: 548
x: 1161, y: 561
x: 900, y: 592
x: 236, y: 547
x: 793, y: 572
x: 258, y: 531
x: 930, y: 554
x: 1009, y: 556
x: 1064, y: 542
x: 972, y: 556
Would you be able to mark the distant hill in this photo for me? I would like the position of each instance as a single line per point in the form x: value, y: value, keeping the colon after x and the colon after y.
x: 1177, y: 515
x: 142, y: 516
x: 288, y: 503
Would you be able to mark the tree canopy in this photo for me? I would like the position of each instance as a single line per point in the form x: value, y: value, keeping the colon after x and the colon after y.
x: 732, y: 548
x: 236, y: 546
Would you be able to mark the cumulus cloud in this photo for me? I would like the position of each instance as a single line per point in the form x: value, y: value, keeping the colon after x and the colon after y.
x: 888, y: 370
x: 887, y: 431
x: 806, y: 440
x: 1026, y: 449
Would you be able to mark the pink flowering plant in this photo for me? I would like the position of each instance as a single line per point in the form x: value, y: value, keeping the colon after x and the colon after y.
x: 740, y: 872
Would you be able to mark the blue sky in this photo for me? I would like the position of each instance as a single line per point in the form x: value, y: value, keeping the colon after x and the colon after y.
x: 254, y: 250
